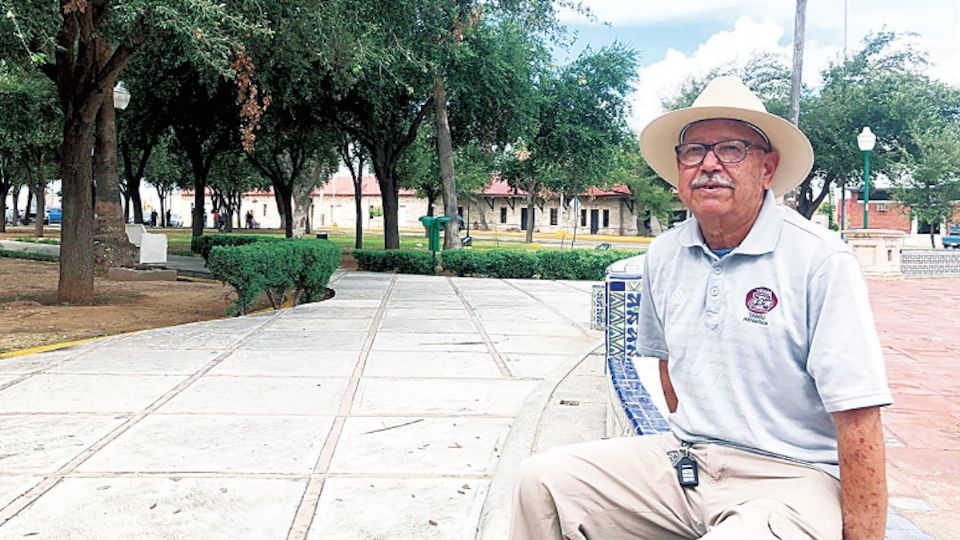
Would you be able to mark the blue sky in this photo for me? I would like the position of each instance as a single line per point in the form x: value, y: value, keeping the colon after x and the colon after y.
x: 681, y: 39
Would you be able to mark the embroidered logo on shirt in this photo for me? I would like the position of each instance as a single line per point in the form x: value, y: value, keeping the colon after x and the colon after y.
x: 760, y: 301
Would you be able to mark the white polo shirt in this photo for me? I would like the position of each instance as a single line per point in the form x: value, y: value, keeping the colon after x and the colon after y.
x: 764, y: 343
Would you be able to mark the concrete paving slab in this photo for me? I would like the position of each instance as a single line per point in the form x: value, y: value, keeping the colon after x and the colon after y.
x: 454, y: 325
x: 419, y: 446
x: 429, y: 342
x: 139, y: 361
x: 440, y: 364
x: 450, y: 312
x: 102, y: 508
x: 202, y: 444
x: 335, y: 312
x: 4, y: 379
x: 397, y: 509
x: 531, y: 328
x: 571, y: 424
x: 259, y: 396
x: 86, y: 393
x: 287, y: 364
x: 12, y: 487
x: 535, y: 366
x: 523, y: 344
x: 312, y: 341
x: 446, y: 396
x: 34, y: 362
x: 42, y: 443
x: 312, y: 325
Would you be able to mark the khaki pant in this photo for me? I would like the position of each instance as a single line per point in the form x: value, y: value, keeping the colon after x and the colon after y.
x: 627, y: 489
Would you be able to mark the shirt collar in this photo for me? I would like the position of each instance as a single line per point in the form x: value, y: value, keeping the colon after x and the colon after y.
x: 761, y: 239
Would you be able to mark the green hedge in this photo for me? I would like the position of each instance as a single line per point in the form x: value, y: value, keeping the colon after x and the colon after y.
x: 299, y: 267
x: 579, y: 264
x: 576, y: 264
x: 28, y: 255
x: 203, y: 245
x: 394, y: 260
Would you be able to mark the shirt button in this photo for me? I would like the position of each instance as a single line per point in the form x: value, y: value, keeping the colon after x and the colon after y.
x: 714, y: 291
x: 717, y: 270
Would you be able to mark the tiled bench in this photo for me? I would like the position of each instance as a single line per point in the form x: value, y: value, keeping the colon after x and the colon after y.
x: 632, y: 410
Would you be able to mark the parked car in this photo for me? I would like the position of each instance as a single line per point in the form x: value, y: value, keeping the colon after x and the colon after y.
x: 54, y: 216
x: 952, y: 239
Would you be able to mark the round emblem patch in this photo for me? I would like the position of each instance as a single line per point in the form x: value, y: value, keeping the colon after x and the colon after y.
x: 761, y: 300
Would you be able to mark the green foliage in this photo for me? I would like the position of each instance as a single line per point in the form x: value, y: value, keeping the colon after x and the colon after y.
x: 203, y: 245
x: 928, y: 181
x: 6, y: 253
x: 651, y: 194
x: 574, y: 264
x: 299, y: 267
x: 579, y: 264
x: 581, y: 123
x: 33, y: 240
x: 394, y: 260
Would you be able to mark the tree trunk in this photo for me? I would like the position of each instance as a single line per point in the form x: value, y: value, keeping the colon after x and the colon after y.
x: 133, y: 187
x: 4, y: 191
x: 799, y: 26
x: 358, y: 207
x: 483, y: 215
x: 451, y: 236
x: 111, y: 246
x: 76, y: 233
x: 531, y: 204
x: 40, y: 189
x: 386, y: 170
x: 431, y: 200
x: 15, y: 199
x: 302, y: 192
x: 26, y: 211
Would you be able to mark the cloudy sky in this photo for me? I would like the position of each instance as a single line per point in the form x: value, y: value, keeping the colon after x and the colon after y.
x: 677, y: 40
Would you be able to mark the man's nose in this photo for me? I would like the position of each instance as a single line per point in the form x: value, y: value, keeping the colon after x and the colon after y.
x: 710, y: 162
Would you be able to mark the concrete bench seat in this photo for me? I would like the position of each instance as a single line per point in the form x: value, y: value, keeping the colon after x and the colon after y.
x: 153, y: 247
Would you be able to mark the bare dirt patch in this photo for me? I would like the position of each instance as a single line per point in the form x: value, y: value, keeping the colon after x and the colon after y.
x: 30, y: 315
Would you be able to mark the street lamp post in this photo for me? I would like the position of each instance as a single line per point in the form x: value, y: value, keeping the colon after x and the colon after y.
x: 866, y: 141
x: 121, y: 96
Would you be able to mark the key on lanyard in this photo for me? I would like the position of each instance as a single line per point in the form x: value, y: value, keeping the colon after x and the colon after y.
x: 685, y: 466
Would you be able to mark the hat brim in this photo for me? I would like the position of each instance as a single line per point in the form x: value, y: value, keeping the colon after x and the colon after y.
x: 658, y: 139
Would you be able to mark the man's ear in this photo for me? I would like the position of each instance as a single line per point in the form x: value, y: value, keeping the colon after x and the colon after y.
x: 770, y: 163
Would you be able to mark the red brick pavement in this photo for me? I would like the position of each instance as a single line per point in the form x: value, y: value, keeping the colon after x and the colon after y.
x: 919, y: 326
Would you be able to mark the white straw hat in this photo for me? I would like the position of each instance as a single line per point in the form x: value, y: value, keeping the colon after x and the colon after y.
x: 728, y: 97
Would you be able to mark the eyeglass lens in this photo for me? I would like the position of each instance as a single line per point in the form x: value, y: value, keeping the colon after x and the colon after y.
x: 733, y: 151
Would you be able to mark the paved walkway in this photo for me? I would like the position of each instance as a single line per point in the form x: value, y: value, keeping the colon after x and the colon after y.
x: 398, y: 409
x: 382, y: 413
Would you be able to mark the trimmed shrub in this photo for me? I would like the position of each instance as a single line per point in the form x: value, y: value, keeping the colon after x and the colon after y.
x: 579, y: 264
x: 276, y: 268
x: 28, y: 255
x: 394, y: 260
x: 464, y: 262
x: 574, y: 264
x: 320, y: 259
x: 202, y: 245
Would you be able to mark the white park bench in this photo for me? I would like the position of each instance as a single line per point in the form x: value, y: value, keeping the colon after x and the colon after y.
x: 153, y: 247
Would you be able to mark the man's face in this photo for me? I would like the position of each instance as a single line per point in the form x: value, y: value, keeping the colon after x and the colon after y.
x: 714, y: 190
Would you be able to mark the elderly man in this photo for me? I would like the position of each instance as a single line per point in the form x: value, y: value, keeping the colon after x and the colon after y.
x: 769, y: 360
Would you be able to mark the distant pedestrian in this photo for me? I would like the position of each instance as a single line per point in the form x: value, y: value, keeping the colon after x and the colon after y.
x: 216, y: 219
x: 153, y: 218
x: 248, y: 219
x: 168, y: 224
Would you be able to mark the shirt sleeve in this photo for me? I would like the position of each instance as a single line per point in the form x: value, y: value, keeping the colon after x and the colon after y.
x: 845, y: 357
x: 651, y: 340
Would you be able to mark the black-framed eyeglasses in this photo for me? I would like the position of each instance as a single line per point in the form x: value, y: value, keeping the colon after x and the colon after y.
x: 731, y: 151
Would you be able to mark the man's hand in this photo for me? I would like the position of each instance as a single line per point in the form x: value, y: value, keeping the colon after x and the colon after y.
x: 863, y: 479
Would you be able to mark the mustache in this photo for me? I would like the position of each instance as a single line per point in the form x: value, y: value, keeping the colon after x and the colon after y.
x: 715, y: 178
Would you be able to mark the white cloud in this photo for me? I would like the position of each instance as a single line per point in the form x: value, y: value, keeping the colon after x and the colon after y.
x: 662, y: 79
